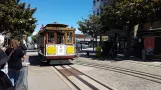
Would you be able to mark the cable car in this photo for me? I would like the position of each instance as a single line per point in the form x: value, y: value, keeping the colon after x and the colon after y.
x: 56, y: 44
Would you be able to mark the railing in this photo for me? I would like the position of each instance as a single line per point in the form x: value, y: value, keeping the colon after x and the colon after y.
x: 22, y: 83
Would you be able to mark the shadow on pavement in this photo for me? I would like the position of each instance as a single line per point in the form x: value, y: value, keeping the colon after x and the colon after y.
x: 36, y: 61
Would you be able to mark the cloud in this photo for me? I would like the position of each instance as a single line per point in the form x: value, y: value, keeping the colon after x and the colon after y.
x: 34, y: 33
x: 78, y: 32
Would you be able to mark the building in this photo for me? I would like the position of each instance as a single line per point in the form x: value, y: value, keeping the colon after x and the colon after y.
x: 98, y: 3
x: 97, y: 9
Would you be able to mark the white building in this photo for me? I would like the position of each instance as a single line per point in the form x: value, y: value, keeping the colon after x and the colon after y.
x: 98, y: 3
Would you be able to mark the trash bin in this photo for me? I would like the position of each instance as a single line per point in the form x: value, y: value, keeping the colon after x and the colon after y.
x: 98, y: 51
x: 143, y: 54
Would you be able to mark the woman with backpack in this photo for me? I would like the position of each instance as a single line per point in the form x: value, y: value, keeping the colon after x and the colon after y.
x: 15, y: 63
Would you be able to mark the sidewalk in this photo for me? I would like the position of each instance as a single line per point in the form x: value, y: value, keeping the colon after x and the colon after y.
x: 44, y: 78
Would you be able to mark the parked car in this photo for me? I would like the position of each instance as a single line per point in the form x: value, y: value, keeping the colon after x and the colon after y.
x: 83, y: 45
x: 35, y: 46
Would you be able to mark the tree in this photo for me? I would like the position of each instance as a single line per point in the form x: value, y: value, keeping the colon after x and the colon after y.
x: 34, y: 38
x: 91, y: 26
x: 16, y: 17
x: 129, y: 13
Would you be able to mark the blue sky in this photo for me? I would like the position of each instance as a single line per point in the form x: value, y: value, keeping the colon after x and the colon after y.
x: 61, y: 11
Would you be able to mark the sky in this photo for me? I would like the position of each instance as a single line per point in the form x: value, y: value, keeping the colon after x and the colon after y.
x: 61, y: 11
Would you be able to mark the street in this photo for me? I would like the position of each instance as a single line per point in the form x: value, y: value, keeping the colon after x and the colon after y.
x: 118, y: 75
x: 87, y: 45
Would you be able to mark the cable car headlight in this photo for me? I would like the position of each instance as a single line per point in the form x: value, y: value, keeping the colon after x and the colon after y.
x: 70, y: 50
x: 51, y: 50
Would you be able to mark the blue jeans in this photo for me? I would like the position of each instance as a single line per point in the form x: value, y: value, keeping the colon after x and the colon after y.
x: 14, y: 75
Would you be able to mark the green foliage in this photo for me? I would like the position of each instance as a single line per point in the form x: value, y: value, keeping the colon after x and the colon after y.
x: 128, y: 13
x: 34, y: 38
x: 132, y: 11
x: 90, y: 26
x: 16, y: 17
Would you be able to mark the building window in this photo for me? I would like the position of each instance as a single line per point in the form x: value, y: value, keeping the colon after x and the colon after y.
x: 97, y: 13
x: 94, y: 12
x: 94, y: 2
x: 98, y: 10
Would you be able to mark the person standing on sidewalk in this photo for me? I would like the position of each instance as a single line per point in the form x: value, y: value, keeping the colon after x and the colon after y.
x: 2, y: 42
x: 5, y: 83
x: 23, y: 44
x: 5, y: 68
x: 15, y: 63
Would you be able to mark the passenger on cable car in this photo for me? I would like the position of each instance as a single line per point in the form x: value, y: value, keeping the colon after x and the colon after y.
x: 51, y: 38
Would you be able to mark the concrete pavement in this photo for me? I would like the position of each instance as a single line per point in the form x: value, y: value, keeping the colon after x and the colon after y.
x: 43, y: 77
x: 122, y: 81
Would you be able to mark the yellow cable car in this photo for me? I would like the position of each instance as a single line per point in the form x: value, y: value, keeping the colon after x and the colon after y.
x: 56, y: 44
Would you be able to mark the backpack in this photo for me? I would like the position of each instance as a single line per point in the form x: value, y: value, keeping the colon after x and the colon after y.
x: 5, y: 83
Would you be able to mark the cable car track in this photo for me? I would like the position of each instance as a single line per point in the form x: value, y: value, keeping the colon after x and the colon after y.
x: 80, y: 80
x: 144, y: 64
x: 139, y: 74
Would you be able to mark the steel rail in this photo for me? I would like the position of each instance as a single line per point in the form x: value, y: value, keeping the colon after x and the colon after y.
x: 82, y: 80
x: 110, y: 88
x: 144, y: 64
x: 68, y: 79
x: 74, y: 72
x: 144, y: 75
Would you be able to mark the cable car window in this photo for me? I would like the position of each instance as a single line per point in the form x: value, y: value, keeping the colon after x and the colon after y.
x: 60, y: 37
x: 69, y: 37
x: 51, y: 37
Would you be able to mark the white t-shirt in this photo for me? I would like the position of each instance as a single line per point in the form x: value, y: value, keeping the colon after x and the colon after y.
x: 24, y: 42
x: 5, y: 69
x: 1, y: 40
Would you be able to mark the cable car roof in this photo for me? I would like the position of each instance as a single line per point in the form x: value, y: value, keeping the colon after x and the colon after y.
x: 56, y: 27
